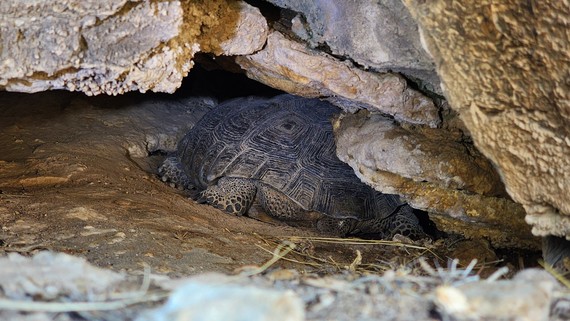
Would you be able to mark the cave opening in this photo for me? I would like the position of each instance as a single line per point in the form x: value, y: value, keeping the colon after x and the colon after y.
x: 78, y: 175
x: 210, y: 79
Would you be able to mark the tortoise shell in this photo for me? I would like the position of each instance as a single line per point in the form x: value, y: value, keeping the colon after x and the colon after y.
x: 287, y: 143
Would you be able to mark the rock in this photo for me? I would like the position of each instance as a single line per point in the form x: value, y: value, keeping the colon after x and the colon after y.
x: 113, y: 47
x: 321, y: 75
x: 452, y: 181
x: 245, y: 36
x: 429, y: 156
x: 57, y: 48
x: 210, y: 297
x: 50, y: 275
x: 376, y: 34
x: 505, y: 70
x: 527, y: 297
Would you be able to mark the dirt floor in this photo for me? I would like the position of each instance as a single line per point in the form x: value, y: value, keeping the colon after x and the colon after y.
x: 78, y: 176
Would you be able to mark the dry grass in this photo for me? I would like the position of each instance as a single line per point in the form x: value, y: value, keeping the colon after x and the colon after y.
x: 556, y: 274
x: 301, y: 254
x: 408, y: 258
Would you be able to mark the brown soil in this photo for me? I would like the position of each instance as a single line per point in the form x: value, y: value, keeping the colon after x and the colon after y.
x: 75, y: 177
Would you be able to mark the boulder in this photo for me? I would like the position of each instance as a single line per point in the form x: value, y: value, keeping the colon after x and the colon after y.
x: 504, y: 67
x: 380, y: 35
x: 448, y: 178
x: 114, y: 47
x: 295, y: 68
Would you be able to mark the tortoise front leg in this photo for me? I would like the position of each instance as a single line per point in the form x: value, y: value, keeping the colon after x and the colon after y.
x: 171, y: 172
x: 231, y: 194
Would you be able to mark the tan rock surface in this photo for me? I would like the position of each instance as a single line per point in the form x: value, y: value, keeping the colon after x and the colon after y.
x: 376, y: 34
x: 242, y: 30
x: 114, y: 47
x: 505, y: 67
x: 279, y: 65
x: 423, y: 156
x: 529, y: 296
x: 452, y: 181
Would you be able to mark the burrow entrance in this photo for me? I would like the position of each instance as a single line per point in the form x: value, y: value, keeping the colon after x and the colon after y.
x: 78, y: 175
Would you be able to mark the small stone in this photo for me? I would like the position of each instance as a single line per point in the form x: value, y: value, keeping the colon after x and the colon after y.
x: 199, y: 300
x: 283, y: 275
x: 523, y: 298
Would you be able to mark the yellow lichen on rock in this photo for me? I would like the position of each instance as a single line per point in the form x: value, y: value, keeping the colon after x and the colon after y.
x: 457, y: 186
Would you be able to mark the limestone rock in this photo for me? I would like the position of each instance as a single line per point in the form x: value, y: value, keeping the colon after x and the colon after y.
x: 117, y: 46
x: 49, y: 275
x: 238, y: 29
x: 50, y: 47
x: 220, y: 297
x: 527, y: 297
x: 278, y: 65
x: 376, y: 34
x: 380, y: 143
x: 452, y: 181
x: 505, y: 70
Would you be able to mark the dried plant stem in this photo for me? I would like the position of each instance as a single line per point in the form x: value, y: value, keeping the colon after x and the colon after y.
x: 278, y: 254
x: 555, y: 273
x: 31, y: 306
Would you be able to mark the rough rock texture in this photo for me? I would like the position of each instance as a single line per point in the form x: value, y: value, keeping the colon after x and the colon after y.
x: 219, y: 297
x: 235, y: 29
x: 376, y: 34
x: 423, y: 156
x: 505, y: 67
x: 321, y: 75
x: 117, y: 46
x: 49, y: 275
x: 435, y: 173
x: 527, y: 297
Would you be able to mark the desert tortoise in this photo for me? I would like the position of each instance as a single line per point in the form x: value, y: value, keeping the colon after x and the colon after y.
x: 281, y: 151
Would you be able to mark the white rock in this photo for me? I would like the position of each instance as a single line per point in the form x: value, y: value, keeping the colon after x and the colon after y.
x: 202, y: 300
